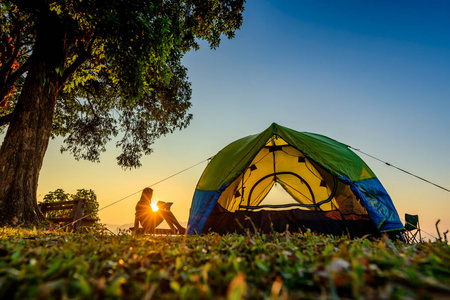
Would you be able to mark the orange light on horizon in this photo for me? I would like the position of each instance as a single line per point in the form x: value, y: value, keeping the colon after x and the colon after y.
x: 154, y: 206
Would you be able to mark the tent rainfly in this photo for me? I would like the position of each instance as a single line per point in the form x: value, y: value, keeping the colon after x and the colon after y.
x: 333, y: 190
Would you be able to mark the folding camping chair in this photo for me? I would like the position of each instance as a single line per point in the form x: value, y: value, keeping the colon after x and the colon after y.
x: 412, y: 229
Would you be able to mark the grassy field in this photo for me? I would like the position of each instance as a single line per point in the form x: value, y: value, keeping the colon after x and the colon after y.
x: 41, y: 265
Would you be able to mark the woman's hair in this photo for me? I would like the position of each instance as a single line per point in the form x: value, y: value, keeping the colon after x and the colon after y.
x: 147, y: 194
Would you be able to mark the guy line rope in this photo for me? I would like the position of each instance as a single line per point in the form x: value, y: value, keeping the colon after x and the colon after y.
x: 404, y: 171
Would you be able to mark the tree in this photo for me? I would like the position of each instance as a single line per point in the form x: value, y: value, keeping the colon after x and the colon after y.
x: 90, y: 204
x: 91, y: 70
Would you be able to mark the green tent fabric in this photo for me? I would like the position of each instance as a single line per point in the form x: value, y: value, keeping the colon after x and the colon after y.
x: 318, y: 172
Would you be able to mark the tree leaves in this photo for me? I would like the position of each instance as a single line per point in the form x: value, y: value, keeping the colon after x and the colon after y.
x: 122, y: 71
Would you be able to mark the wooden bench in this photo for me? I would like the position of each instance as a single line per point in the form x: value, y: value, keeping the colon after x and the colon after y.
x: 77, y: 207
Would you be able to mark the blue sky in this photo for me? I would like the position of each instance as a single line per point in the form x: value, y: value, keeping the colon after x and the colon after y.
x: 371, y: 74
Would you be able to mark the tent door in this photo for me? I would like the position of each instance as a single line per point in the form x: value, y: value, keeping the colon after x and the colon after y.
x: 274, y: 175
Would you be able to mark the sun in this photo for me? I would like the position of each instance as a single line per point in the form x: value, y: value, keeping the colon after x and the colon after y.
x: 154, y: 206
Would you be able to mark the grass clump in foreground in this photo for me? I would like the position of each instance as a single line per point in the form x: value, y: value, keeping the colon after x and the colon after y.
x: 42, y: 265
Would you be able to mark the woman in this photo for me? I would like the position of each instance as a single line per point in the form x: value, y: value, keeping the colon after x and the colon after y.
x: 145, y: 214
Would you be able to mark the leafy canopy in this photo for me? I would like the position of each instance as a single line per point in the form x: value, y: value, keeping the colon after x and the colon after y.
x: 122, y: 76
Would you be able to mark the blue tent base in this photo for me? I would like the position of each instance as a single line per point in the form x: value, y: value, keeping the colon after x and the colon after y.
x: 295, y: 220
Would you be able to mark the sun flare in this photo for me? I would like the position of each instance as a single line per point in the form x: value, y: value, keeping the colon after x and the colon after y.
x: 154, y: 206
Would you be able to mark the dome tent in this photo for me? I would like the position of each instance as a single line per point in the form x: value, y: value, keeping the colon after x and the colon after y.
x: 333, y: 189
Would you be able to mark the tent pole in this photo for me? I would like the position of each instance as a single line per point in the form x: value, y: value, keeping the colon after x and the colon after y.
x: 243, y: 188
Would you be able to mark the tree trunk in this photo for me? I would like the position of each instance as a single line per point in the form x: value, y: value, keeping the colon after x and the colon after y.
x: 22, y: 152
x: 25, y: 143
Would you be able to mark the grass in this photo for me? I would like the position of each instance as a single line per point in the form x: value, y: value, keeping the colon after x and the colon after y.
x: 57, y: 265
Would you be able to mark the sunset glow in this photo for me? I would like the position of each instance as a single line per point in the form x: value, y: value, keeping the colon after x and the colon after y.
x: 154, y: 206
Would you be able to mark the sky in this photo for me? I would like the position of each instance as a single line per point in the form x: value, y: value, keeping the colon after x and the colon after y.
x: 374, y: 75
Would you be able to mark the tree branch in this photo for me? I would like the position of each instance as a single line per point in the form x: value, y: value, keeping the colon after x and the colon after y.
x: 90, y: 104
x: 84, y: 55
x: 16, y: 36
x: 19, y: 72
